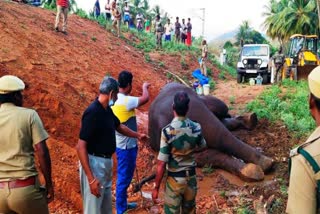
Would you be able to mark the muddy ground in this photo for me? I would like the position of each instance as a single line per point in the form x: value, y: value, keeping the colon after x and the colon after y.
x: 62, y: 75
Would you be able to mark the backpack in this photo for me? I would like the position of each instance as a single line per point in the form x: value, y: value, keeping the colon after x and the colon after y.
x: 315, y: 168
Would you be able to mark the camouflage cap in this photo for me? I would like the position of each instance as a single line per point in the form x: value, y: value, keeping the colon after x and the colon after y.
x: 314, y: 82
x: 10, y: 83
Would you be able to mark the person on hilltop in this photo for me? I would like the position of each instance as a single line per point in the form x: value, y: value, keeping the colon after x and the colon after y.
x: 158, y: 31
x: 183, y: 35
x: 189, y: 37
x: 168, y: 28
x: 23, y: 136
x: 108, y: 10
x: 116, y: 18
x: 96, y: 9
x: 177, y: 27
x: 127, y: 147
x: 139, y: 19
x: 148, y: 25
x: 203, y: 59
x: 126, y: 17
x: 303, y: 192
x: 62, y: 9
x: 97, y: 143
x: 179, y: 140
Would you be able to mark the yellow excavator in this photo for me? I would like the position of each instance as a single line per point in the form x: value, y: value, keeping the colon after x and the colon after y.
x: 301, y: 57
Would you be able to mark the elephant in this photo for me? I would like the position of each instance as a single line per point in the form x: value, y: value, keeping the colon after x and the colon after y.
x: 224, y: 150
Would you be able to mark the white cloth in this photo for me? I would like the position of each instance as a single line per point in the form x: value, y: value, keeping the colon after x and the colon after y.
x: 168, y: 28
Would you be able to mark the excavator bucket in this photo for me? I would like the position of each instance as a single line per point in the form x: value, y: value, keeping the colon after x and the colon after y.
x: 304, y: 71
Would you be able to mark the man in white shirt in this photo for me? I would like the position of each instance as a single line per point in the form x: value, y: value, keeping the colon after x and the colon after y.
x: 168, y: 28
x: 183, y: 31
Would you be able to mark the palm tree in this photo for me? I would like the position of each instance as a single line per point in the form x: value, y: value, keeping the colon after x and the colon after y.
x: 318, y: 6
x: 287, y: 17
x: 243, y: 35
x: 273, y: 21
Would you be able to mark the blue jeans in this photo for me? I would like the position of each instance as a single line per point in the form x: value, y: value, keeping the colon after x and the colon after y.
x: 126, y: 159
x: 102, y: 170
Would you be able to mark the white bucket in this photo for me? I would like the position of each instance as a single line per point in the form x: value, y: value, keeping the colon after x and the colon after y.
x: 252, y: 81
x: 206, y: 89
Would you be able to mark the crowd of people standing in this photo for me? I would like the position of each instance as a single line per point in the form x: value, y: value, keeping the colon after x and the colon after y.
x: 180, y: 31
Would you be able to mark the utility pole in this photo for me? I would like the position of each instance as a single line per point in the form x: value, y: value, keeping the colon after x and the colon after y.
x: 203, y: 19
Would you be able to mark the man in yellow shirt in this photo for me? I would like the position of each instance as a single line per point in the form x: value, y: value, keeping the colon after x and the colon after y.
x: 22, y: 135
x: 303, y: 178
x: 127, y: 147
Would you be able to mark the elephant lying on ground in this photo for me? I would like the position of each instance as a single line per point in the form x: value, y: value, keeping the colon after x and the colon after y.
x: 224, y: 151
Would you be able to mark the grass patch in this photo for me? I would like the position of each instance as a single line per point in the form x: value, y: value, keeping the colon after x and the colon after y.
x: 169, y: 75
x: 232, y: 99
x: 94, y: 39
x: 207, y: 169
x: 288, y: 104
x: 161, y: 64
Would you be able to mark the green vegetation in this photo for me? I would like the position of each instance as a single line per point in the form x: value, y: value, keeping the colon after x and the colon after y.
x: 212, y: 84
x: 207, y: 169
x: 93, y: 38
x: 244, y: 210
x: 147, y: 57
x: 284, y: 18
x: 232, y: 99
x: 288, y: 103
x: 169, y: 75
x: 161, y: 64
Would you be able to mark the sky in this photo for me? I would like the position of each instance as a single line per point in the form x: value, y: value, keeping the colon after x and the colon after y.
x: 220, y: 16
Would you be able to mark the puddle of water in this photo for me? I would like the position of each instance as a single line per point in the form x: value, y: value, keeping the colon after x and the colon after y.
x: 206, y: 186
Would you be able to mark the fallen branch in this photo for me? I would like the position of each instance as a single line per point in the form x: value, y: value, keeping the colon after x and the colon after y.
x: 179, y: 78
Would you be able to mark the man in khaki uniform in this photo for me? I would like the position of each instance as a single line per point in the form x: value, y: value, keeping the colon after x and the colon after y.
x: 303, y: 180
x: 204, y: 54
x: 116, y: 17
x: 21, y: 135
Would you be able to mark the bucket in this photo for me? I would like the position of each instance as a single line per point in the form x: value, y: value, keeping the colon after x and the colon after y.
x: 195, y: 85
x: 199, y: 90
x: 206, y: 89
x: 251, y: 81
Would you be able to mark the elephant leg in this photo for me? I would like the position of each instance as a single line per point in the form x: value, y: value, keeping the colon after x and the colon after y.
x: 247, y: 121
x: 248, y: 172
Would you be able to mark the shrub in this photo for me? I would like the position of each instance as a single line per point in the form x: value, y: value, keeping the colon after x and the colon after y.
x: 288, y: 104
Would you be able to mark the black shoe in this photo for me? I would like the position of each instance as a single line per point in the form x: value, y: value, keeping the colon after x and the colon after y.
x: 65, y: 32
x: 56, y: 29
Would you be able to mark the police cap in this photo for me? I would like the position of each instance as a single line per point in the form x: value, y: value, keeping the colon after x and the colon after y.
x: 10, y: 83
x: 314, y: 82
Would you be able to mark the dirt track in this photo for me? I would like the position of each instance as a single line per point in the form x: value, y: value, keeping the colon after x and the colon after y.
x: 62, y: 74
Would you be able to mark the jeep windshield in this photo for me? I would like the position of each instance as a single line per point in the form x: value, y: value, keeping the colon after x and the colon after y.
x: 255, y: 51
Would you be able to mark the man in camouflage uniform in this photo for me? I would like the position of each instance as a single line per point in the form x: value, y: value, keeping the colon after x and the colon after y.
x: 178, y: 142
x: 305, y: 160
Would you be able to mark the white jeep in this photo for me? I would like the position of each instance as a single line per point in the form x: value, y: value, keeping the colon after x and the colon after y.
x: 254, y: 60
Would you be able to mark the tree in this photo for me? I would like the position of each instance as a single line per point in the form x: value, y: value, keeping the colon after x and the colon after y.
x: 318, y: 6
x: 287, y: 17
x: 243, y: 35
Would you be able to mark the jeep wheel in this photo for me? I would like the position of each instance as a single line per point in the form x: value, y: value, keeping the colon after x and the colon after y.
x: 265, y: 78
x: 239, y: 78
